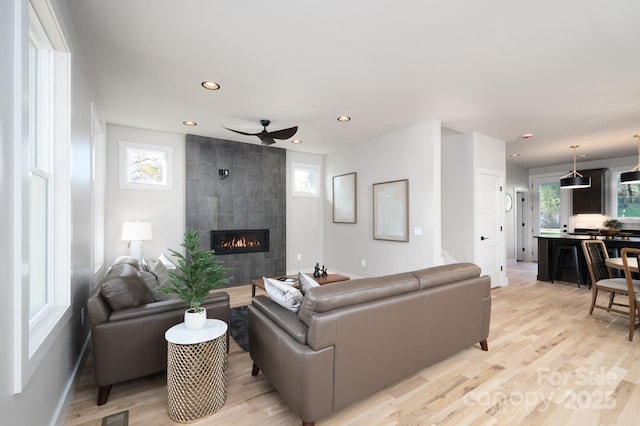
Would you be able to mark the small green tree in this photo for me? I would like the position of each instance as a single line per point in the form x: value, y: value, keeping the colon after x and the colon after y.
x: 197, y: 273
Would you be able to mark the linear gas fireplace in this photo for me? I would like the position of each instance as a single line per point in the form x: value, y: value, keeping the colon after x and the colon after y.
x: 240, y: 241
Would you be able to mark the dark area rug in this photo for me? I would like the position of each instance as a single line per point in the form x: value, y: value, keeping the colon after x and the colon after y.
x: 238, y: 326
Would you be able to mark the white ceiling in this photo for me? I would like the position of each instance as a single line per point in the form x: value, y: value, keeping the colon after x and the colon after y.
x: 567, y: 71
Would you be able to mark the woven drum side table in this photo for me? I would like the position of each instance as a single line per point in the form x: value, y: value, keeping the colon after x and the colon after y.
x: 196, y: 370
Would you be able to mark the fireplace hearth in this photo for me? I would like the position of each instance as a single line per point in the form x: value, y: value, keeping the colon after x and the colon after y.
x: 234, y: 241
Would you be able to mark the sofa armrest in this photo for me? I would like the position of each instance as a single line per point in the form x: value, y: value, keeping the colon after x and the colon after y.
x: 284, y: 318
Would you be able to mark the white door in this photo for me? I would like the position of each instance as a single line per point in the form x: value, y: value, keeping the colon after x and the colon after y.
x: 488, y: 230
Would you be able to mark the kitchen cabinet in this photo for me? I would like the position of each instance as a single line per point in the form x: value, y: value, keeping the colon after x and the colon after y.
x: 590, y: 200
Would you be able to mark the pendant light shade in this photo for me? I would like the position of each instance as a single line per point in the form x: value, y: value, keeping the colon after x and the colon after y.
x: 574, y: 180
x: 633, y: 175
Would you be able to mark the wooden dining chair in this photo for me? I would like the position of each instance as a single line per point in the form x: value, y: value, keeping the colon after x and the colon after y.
x: 633, y: 289
x: 595, y: 252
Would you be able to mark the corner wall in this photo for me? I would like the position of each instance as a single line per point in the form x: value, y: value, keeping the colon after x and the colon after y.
x: 412, y: 153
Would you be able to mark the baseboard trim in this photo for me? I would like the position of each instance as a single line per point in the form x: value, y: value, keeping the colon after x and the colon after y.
x: 60, y: 414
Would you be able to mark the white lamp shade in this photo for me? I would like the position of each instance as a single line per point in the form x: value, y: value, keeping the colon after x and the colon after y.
x: 136, y: 231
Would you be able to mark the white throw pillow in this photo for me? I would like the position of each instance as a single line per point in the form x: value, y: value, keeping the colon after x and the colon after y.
x: 284, y: 295
x: 166, y: 261
x: 306, y: 282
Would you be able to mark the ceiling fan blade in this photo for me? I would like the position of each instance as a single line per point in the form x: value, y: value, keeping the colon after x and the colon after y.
x: 243, y: 133
x: 284, y: 133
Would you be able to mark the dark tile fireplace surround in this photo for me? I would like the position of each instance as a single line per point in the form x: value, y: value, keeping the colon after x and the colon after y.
x: 250, y: 200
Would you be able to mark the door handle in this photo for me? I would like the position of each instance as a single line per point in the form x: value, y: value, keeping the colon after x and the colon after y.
x: 482, y: 238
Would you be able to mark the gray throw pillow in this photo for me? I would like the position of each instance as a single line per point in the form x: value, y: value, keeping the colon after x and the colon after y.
x: 125, y: 290
x: 160, y: 271
x: 152, y: 284
x: 306, y: 282
x: 284, y: 295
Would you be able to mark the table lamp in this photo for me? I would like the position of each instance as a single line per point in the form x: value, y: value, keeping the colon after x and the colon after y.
x: 136, y: 233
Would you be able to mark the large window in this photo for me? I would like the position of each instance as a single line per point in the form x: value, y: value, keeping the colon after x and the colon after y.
x: 627, y: 199
x: 550, y: 207
x: 46, y: 207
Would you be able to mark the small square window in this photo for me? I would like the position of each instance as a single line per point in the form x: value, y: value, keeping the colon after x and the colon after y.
x: 145, y: 166
x: 306, y: 180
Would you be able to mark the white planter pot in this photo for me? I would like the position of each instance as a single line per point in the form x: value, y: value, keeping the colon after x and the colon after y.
x: 194, y: 320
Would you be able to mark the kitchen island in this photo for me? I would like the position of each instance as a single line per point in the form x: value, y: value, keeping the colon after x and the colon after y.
x: 547, y: 247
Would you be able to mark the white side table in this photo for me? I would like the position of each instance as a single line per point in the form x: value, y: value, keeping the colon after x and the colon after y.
x: 196, y: 370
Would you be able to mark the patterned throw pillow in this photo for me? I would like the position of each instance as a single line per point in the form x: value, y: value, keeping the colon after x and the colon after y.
x: 284, y: 295
x: 152, y: 283
x: 306, y: 282
x: 160, y: 271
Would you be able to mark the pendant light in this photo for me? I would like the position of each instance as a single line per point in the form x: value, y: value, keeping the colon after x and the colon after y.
x: 574, y: 180
x: 633, y: 175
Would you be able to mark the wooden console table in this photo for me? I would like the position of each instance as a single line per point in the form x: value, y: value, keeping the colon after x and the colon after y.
x: 330, y: 278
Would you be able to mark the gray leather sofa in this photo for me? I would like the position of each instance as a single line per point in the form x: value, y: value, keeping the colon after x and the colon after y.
x: 354, y: 338
x: 129, y: 343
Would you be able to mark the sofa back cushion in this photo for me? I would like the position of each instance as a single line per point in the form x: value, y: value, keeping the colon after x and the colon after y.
x: 124, y: 288
x: 439, y: 275
x: 353, y: 292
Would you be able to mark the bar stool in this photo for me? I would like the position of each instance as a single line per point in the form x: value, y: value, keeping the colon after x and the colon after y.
x: 561, y: 253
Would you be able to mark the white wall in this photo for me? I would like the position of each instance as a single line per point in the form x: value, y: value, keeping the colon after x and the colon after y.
x: 42, y: 398
x: 164, y: 209
x: 412, y: 153
x: 457, y: 197
x: 304, y: 220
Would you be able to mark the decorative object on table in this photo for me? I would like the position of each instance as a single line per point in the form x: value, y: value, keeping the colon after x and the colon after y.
x: 316, y: 271
x: 574, y: 180
x: 323, y: 271
x: 344, y: 198
x: 136, y: 232
x: 612, y: 227
x: 391, y: 210
x: 197, y: 273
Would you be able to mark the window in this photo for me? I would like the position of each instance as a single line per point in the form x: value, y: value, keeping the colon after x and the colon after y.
x: 306, y: 180
x: 145, y: 166
x: 46, y: 206
x: 627, y: 198
x: 549, y: 207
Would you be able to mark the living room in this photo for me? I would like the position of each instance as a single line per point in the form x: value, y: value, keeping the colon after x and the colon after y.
x: 415, y: 149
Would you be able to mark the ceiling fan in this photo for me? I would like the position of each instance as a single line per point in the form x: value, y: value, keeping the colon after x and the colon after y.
x: 267, y: 138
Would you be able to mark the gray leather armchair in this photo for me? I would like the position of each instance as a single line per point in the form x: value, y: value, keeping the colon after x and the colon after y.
x: 129, y: 343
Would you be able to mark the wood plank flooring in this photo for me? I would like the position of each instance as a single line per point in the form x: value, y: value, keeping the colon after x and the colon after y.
x: 549, y: 362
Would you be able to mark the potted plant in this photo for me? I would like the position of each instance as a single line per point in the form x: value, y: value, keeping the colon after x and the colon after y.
x: 197, y: 273
x: 612, y: 224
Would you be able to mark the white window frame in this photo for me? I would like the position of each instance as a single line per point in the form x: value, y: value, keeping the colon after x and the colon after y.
x: 127, y: 152
x: 98, y: 187
x: 35, y: 336
x: 312, y: 169
x: 613, y: 193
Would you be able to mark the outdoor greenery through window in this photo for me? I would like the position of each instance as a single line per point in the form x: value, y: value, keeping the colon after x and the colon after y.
x: 550, y: 207
x: 628, y: 199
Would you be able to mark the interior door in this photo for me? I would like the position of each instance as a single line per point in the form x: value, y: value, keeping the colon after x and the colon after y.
x: 489, y: 221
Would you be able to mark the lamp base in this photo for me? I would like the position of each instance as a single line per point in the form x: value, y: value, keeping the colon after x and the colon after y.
x: 136, y: 250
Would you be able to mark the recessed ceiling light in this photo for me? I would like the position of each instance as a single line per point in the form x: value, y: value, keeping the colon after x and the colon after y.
x: 344, y: 118
x: 189, y: 123
x: 210, y: 85
x: 296, y: 141
x: 514, y: 155
x: 527, y: 136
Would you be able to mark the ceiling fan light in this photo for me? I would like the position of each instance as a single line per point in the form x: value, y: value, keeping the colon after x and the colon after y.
x: 628, y: 178
x: 575, y: 182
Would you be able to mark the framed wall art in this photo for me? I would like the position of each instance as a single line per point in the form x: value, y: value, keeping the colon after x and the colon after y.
x: 344, y: 198
x: 391, y: 210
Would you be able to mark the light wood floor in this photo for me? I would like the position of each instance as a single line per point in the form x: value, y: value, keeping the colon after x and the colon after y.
x: 549, y: 362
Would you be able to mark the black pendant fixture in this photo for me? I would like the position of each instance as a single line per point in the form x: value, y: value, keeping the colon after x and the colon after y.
x: 574, y: 180
x: 633, y: 175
